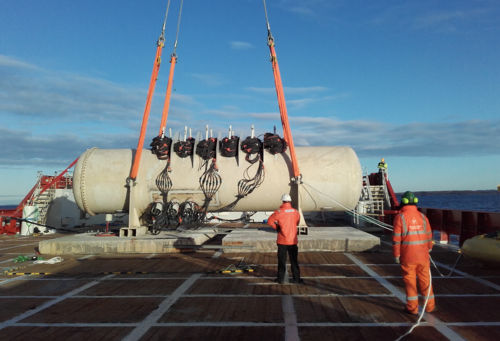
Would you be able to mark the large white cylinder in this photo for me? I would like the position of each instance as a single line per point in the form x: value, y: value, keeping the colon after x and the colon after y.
x: 331, y: 175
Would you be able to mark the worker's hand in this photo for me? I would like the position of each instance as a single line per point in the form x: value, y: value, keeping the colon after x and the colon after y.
x: 430, y: 250
x: 396, y: 260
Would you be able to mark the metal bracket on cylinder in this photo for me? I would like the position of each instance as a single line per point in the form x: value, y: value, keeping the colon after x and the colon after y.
x: 296, y: 202
x: 297, y: 180
x: 133, y: 216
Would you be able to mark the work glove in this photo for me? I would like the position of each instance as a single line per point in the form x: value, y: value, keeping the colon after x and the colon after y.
x: 396, y: 260
x: 430, y: 250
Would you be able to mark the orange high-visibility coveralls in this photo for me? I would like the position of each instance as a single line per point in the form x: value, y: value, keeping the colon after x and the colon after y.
x: 287, y: 218
x: 412, y: 242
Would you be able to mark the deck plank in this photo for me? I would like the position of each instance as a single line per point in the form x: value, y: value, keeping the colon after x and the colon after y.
x: 338, y: 301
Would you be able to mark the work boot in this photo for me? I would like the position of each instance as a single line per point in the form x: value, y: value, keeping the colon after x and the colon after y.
x: 297, y: 281
x: 277, y: 280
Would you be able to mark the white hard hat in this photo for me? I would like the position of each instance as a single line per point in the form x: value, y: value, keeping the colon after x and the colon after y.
x: 286, y: 197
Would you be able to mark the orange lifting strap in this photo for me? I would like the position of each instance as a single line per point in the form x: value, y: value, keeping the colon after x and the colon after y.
x: 145, y: 117
x: 147, y: 109
x: 154, y: 76
x: 166, y: 104
x: 287, y: 133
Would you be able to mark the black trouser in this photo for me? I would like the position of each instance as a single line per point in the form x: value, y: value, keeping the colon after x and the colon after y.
x: 293, y: 251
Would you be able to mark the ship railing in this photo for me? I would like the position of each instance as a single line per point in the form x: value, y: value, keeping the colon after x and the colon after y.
x: 457, y: 225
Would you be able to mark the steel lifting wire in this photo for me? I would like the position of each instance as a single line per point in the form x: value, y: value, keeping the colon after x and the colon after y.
x: 147, y: 109
x: 173, y: 61
x: 161, y: 39
x: 267, y: 19
x: 178, y: 27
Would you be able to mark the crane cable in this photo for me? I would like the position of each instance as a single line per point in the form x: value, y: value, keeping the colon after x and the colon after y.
x: 287, y: 134
x: 173, y: 61
x: 152, y: 83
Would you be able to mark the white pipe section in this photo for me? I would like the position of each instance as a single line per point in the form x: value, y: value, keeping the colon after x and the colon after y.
x: 100, y: 180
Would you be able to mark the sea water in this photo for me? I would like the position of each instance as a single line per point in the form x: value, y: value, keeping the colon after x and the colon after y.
x: 484, y: 201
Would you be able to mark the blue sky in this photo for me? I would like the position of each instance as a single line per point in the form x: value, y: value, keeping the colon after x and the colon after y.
x: 415, y: 82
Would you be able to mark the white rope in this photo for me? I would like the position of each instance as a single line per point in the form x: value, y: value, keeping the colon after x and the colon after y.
x: 423, y: 309
x: 349, y: 211
x: 388, y: 227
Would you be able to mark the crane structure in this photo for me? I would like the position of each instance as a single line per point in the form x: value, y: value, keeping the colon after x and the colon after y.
x: 295, y: 177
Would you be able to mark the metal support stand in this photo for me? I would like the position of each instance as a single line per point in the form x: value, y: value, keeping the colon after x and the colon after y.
x: 296, y: 203
x: 133, y: 215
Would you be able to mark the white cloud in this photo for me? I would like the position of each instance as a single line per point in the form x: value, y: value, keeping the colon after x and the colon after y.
x: 34, y: 92
x: 368, y: 138
x: 209, y: 79
x: 477, y: 137
x: 6, y: 61
x: 265, y: 115
x: 290, y: 90
x: 308, y: 9
x: 316, y: 94
x: 448, y: 19
x: 443, y: 17
x: 83, y: 112
x: 240, y: 45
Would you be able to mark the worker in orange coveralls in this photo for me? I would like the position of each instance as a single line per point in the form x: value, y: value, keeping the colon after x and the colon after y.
x: 285, y: 221
x: 412, y: 242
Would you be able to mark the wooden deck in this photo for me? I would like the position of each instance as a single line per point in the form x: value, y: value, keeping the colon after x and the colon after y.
x: 181, y: 296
